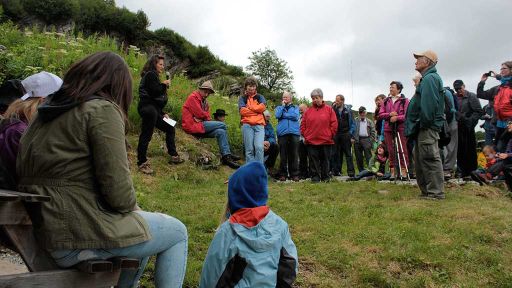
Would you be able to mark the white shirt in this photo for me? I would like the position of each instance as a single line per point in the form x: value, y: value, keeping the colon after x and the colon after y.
x: 363, y: 128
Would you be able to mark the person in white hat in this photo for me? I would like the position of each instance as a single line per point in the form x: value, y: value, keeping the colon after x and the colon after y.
x: 17, y: 117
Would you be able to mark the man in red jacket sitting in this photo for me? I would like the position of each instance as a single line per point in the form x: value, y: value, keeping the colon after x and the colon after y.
x: 196, y: 120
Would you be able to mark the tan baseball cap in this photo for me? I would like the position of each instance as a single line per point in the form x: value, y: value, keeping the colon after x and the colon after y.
x: 429, y: 54
x: 207, y: 85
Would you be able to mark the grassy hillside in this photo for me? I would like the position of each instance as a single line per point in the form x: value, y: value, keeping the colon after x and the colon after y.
x: 363, y: 234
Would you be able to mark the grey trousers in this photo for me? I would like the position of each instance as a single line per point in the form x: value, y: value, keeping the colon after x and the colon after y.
x: 364, y: 146
x: 450, y: 151
x: 429, y: 168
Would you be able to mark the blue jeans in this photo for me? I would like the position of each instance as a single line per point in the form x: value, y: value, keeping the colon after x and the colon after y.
x: 253, y: 142
x: 169, y: 242
x: 218, y: 130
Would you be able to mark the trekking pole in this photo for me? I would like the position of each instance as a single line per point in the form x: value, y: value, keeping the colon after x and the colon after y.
x: 397, y: 158
x: 403, y: 156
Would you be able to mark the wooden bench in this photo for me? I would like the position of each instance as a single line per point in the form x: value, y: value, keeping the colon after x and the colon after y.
x: 16, y: 233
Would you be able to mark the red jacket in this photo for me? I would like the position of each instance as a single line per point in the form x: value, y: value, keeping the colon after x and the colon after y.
x: 319, y: 125
x: 195, y: 106
x: 503, y: 103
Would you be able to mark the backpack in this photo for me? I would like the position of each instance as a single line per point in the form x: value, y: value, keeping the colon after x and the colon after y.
x: 503, y: 103
x: 448, y: 115
x: 445, y: 134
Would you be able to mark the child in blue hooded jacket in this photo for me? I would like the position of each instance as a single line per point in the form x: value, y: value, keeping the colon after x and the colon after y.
x: 253, y: 248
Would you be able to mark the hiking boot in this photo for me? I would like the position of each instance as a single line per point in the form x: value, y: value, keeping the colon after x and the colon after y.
x: 228, y: 161
x: 235, y: 157
x: 176, y: 160
x: 146, y: 168
x: 478, y: 178
x: 315, y: 179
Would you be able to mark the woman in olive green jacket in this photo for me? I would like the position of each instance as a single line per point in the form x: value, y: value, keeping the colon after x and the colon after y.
x: 75, y: 152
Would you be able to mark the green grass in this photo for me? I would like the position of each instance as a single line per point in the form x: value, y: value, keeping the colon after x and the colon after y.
x: 364, y: 234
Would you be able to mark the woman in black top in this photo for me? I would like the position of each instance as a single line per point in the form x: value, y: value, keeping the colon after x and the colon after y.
x: 152, y: 100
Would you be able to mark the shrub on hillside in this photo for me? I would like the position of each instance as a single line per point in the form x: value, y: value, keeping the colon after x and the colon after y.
x: 52, y: 11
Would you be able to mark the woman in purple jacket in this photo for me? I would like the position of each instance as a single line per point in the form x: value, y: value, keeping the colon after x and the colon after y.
x: 16, y: 119
x: 392, y: 111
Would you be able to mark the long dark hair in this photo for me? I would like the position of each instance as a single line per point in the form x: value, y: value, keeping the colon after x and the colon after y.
x: 102, y: 74
x: 151, y: 64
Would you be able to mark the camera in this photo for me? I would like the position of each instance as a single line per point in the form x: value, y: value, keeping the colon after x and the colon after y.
x: 488, y: 74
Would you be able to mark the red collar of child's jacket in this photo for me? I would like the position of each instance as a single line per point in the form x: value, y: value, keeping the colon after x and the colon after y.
x: 249, y: 217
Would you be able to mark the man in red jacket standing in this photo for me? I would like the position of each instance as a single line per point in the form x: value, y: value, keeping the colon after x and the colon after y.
x: 196, y: 120
x: 318, y: 126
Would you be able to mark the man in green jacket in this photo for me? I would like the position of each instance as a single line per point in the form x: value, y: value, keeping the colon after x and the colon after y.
x: 424, y: 120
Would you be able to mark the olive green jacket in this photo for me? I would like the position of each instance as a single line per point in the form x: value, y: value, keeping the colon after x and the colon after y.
x: 78, y: 157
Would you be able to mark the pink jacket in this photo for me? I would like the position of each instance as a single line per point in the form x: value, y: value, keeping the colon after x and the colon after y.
x: 400, y: 107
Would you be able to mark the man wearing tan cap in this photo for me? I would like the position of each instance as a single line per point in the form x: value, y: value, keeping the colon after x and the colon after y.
x: 196, y: 120
x: 424, y: 120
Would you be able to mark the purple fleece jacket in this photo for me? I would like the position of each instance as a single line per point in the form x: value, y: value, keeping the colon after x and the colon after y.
x: 10, y: 135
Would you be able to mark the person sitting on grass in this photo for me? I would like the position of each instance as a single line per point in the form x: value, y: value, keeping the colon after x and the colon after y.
x: 196, y: 120
x: 252, y: 247
x: 270, y: 146
x: 377, y: 165
x: 220, y: 115
x: 493, y: 167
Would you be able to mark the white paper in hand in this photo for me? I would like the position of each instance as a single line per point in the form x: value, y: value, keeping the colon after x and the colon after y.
x: 170, y: 121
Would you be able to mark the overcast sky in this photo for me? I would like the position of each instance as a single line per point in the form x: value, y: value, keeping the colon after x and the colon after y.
x: 345, y: 46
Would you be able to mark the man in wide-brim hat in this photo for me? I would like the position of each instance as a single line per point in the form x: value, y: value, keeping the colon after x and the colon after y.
x: 220, y: 115
x: 196, y: 120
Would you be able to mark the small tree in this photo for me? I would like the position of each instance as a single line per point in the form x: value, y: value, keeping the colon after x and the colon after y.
x: 273, y: 73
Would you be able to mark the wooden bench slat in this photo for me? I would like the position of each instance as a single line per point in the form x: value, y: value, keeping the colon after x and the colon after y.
x: 7, y: 197
x: 60, y: 279
x: 26, y: 196
x: 13, y: 213
x: 23, y: 240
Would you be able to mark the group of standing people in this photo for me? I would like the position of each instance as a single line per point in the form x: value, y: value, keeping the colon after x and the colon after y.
x: 74, y: 150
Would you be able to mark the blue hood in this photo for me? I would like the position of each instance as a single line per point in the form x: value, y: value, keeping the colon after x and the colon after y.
x: 247, y: 187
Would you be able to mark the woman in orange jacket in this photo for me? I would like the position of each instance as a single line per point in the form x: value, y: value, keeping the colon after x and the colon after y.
x: 251, y: 106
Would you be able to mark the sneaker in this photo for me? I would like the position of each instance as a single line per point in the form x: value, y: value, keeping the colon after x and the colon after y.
x: 146, y: 168
x: 315, y: 179
x: 447, y: 175
x: 235, y: 157
x: 336, y: 174
x: 226, y: 160
x: 176, y: 160
x: 282, y: 178
x: 295, y: 178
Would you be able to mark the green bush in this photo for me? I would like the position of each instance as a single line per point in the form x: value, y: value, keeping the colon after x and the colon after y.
x: 52, y: 11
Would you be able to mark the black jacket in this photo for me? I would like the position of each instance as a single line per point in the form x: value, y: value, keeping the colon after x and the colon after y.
x: 151, y: 91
